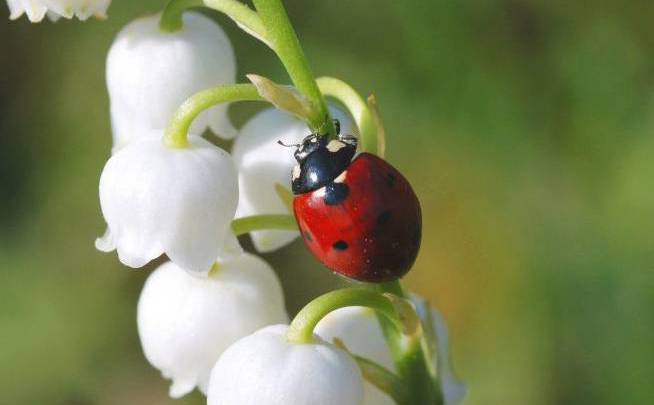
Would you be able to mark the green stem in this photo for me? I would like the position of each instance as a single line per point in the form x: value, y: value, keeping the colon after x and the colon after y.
x: 284, y: 41
x: 301, y: 329
x: 176, y: 135
x: 241, y: 14
x: 244, y: 225
x: 343, y: 92
x: 171, y: 17
x: 411, y: 361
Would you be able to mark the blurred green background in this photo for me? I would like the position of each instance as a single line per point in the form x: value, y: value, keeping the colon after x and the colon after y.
x: 526, y: 127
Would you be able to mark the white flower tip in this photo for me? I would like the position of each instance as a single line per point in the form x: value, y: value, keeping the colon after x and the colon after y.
x: 15, y: 15
x: 105, y: 243
x: 34, y: 16
x: 180, y: 388
x: 132, y: 260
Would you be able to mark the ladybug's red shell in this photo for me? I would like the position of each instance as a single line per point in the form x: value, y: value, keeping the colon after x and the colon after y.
x: 366, y: 224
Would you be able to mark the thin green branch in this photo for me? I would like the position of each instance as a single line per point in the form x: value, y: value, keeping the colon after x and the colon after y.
x: 244, y: 225
x: 301, y: 329
x: 177, y: 132
x: 171, y: 17
x: 285, y: 43
x: 344, y: 93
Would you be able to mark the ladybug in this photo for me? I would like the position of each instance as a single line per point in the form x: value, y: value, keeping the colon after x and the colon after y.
x: 359, y: 217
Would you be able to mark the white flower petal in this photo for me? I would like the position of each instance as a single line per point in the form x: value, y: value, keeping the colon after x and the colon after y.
x: 265, y: 368
x: 180, y: 387
x: 157, y: 200
x: 34, y: 9
x: 105, y: 243
x: 37, y: 9
x: 262, y: 162
x: 150, y: 73
x: 186, y: 322
x: 82, y: 9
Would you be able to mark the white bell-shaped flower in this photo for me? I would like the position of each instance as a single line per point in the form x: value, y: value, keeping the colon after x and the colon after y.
x: 185, y: 322
x: 158, y: 199
x: 37, y: 9
x: 266, y: 368
x: 150, y: 73
x: 359, y: 330
x: 262, y: 163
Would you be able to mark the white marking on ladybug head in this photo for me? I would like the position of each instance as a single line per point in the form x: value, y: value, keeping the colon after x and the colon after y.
x: 341, y: 177
x: 296, y: 172
x: 320, y: 193
x: 335, y: 146
x: 313, y: 140
x: 313, y: 176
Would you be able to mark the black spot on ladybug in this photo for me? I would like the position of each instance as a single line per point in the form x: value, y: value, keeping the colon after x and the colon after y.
x: 340, y: 245
x: 336, y: 193
x: 307, y: 236
x: 383, y: 217
x: 390, y: 179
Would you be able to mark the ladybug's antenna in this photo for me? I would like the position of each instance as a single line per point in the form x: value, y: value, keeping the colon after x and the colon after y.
x: 292, y: 145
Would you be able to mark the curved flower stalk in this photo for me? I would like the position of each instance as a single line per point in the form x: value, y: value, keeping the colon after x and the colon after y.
x: 151, y: 72
x: 358, y: 329
x: 267, y: 368
x: 37, y: 9
x: 262, y: 163
x: 186, y: 322
x: 178, y: 201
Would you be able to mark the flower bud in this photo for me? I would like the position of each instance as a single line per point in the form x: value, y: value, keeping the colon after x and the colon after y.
x: 266, y: 368
x: 150, y: 73
x: 37, y: 9
x: 186, y: 322
x: 158, y: 199
x: 262, y: 163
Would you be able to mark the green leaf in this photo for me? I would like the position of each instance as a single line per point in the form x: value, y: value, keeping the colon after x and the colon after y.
x: 285, y: 98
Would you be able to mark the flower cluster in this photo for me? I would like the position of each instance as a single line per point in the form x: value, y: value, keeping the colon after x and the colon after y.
x: 213, y: 317
x: 159, y: 199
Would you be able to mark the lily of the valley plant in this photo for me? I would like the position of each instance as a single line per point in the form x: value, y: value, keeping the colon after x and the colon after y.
x: 213, y: 316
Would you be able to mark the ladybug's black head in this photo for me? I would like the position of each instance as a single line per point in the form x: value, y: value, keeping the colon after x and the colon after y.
x: 320, y: 160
